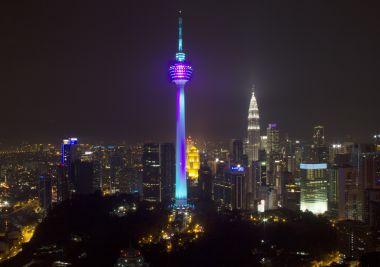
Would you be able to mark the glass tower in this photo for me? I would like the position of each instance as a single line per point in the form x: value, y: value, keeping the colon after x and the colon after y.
x: 253, y: 130
x: 314, y: 187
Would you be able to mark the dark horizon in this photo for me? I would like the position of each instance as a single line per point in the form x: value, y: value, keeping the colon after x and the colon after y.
x: 100, y: 72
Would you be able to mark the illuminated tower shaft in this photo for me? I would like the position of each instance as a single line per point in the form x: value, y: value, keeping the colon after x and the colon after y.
x: 180, y: 73
x: 181, y: 185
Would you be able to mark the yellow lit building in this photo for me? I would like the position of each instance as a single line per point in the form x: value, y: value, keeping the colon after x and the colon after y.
x: 192, y: 163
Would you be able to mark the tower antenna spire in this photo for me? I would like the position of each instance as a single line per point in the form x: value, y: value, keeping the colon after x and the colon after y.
x: 180, y: 31
x: 180, y: 55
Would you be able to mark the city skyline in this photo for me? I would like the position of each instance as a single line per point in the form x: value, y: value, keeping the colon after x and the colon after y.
x: 96, y: 65
x: 132, y: 184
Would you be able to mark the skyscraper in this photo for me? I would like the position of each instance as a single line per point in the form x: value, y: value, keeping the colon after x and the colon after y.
x: 167, y: 162
x: 273, y: 139
x: 83, y: 177
x: 180, y: 72
x: 44, y: 192
x: 69, y: 153
x: 237, y: 151
x: 193, y: 163
x: 314, y: 187
x: 151, y: 173
x: 273, y: 154
x: 65, y: 181
x: 319, y: 135
x: 253, y: 144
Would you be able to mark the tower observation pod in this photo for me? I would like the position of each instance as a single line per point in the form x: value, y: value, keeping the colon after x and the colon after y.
x: 180, y: 72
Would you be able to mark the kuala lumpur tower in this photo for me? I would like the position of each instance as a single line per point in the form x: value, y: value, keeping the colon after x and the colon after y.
x: 180, y: 73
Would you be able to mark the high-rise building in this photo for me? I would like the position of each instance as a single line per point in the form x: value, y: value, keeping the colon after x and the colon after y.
x: 320, y: 149
x: 205, y: 183
x: 290, y: 192
x: 98, y: 171
x: 273, y: 139
x: 65, y: 177
x: 253, y: 138
x: 370, y: 170
x: 83, y: 177
x: 45, y: 192
x: 167, y: 163
x: 319, y: 135
x: 180, y: 72
x: 192, y: 163
x: 237, y: 151
x: 151, y: 179
x: 63, y: 183
x: 230, y: 188
x: 314, y: 187
x: 376, y: 140
x: 117, y: 171
x: 69, y: 151
x: 273, y: 155
x: 350, y: 194
x: 370, y: 178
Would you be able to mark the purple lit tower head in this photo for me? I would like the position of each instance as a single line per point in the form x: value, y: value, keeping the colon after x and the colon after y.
x: 180, y: 72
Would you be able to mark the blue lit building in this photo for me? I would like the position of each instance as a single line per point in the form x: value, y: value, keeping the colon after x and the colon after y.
x: 65, y: 181
x: 69, y: 153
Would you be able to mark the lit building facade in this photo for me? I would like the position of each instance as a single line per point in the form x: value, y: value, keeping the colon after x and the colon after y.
x: 180, y: 72
x: 314, y: 187
x: 65, y: 179
x: 253, y: 140
x: 192, y: 163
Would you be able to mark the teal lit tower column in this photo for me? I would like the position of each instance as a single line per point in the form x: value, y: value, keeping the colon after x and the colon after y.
x: 180, y: 72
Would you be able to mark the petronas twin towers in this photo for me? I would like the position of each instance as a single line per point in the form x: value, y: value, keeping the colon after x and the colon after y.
x: 253, y: 134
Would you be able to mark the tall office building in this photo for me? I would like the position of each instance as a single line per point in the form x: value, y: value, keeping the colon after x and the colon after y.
x: 273, y: 139
x: 44, y: 192
x: 319, y: 135
x: 205, y: 183
x: 314, y: 187
x: 151, y: 179
x: 83, y: 177
x: 63, y: 184
x: 117, y: 171
x: 65, y: 177
x: 192, y: 163
x: 167, y: 163
x: 273, y: 155
x: 69, y: 151
x: 237, y: 151
x: 253, y: 140
x: 344, y: 195
x: 180, y: 72
x: 370, y: 178
x: 320, y: 149
x: 230, y: 188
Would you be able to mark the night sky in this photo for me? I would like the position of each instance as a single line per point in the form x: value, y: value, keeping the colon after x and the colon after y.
x: 98, y: 69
